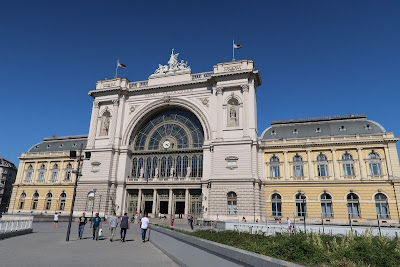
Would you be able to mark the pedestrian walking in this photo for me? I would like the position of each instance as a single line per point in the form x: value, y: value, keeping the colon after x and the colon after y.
x: 136, y: 218
x: 172, y: 220
x: 191, y: 222
x: 188, y: 218
x: 112, y: 225
x: 96, y: 224
x: 81, y: 223
x: 144, y: 224
x: 124, y: 226
x: 55, y: 224
x: 289, y: 224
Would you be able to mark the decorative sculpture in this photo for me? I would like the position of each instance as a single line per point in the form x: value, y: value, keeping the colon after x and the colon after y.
x: 233, y: 116
x: 173, y: 65
x: 141, y: 172
x: 189, y: 170
x: 156, y: 173
x: 106, y: 125
x: 171, y: 172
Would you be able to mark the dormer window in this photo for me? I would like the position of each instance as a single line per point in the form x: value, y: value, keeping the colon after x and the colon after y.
x: 273, y: 132
x: 368, y: 127
x: 61, y: 145
x: 48, y: 146
x: 295, y: 131
x: 342, y: 128
x: 318, y: 130
x: 74, y: 145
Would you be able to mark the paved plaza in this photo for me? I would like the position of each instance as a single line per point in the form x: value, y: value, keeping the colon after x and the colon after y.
x: 46, y: 246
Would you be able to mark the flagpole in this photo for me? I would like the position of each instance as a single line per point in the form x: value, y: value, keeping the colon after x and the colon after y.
x: 233, y: 49
x: 116, y: 69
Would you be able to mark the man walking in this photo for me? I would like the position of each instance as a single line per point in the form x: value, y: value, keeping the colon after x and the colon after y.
x: 96, y: 223
x: 112, y: 225
x: 124, y: 225
x: 81, y: 223
x: 144, y: 224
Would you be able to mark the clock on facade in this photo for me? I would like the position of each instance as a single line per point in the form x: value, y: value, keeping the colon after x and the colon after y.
x: 167, y: 144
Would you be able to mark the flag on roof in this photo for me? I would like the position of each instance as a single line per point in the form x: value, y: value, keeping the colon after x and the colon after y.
x: 237, y: 46
x: 121, y: 65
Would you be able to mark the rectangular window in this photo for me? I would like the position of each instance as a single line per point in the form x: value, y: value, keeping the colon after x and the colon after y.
x: 326, y: 209
x: 322, y: 170
x: 298, y: 171
x: 276, y: 209
x: 275, y: 171
x: 348, y: 169
x: 353, y: 210
x: 232, y: 207
x: 48, y: 204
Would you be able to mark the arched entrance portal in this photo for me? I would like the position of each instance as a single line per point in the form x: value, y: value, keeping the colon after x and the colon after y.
x: 166, y: 164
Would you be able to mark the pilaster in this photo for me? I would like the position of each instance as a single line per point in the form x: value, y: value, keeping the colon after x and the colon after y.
x: 361, y: 163
x: 310, y: 165
x: 246, y: 115
x: 93, y: 125
x: 114, y: 119
x: 335, y: 165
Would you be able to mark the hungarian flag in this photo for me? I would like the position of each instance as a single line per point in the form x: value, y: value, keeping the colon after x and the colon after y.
x: 121, y: 65
x: 237, y: 46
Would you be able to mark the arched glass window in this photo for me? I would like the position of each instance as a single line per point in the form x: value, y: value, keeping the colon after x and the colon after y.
x: 326, y: 205
x: 178, y: 168
x: 169, y: 166
x: 35, y: 200
x: 147, y: 174
x: 322, y: 165
x: 276, y: 200
x: 348, y: 168
x: 381, y: 205
x: 353, y: 205
x: 201, y: 166
x: 298, y: 166
x: 374, y: 164
x: 49, y: 197
x: 185, y: 165
x: 63, y: 197
x: 134, y: 168
x: 90, y: 201
x: 274, y: 167
x: 301, y: 205
x: 155, y: 162
x: 54, y: 173
x: 22, y: 201
x: 163, y: 166
x: 232, y: 203
x: 29, y: 173
x: 68, y: 172
x: 194, y: 166
x: 42, y: 172
x: 140, y: 168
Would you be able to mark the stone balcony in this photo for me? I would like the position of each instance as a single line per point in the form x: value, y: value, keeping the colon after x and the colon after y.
x: 163, y: 179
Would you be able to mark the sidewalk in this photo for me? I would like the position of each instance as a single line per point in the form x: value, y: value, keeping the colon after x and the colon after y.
x: 47, y: 247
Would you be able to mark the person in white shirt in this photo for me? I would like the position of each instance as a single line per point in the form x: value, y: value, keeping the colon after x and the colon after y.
x: 289, y: 224
x: 55, y: 224
x: 144, y: 224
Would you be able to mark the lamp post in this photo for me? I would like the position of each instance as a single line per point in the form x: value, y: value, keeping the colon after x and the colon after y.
x: 94, y: 196
x: 99, y: 204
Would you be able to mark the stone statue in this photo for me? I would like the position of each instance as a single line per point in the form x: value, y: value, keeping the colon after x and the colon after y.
x: 106, y: 125
x: 171, y: 172
x: 156, y: 173
x: 173, y: 65
x: 173, y: 61
x: 141, y: 172
x: 189, y: 170
x: 233, y: 116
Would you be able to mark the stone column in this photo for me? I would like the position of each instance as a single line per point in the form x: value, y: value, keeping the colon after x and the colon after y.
x: 93, y: 125
x: 286, y: 166
x: 361, y: 164
x: 113, y: 123
x: 336, y: 172
x: 139, y: 201
x: 310, y: 165
x: 170, y: 204
x: 220, y: 121
x: 61, y: 175
x: 155, y: 203
x: 187, y: 202
x: 245, y: 119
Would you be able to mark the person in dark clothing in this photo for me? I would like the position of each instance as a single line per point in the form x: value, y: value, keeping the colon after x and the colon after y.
x: 96, y: 223
x: 81, y: 223
x: 125, y: 223
x: 191, y: 222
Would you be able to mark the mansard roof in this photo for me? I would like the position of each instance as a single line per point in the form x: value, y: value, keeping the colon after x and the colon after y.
x: 322, y: 127
x: 59, y: 144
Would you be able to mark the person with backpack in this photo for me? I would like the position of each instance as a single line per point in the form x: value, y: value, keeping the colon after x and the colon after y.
x: 124, y: 226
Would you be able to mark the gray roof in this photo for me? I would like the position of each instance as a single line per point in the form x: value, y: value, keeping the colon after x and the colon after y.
x: 60, y: 143
x: 7, y: 164
x: 320, y: 127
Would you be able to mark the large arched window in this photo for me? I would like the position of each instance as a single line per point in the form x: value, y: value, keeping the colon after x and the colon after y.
x: 374, y: 164
x: 326, y: 205
x: 276, y: 201
x: 274, y: 167
x: 232, y: 203
x: 301, y: 205
x: 63, y: 198
x: 298, y: 166
x: 54, y: 173
x: 42, y: 172
x: 22, y: 201
x: 29, y: 173
x: 35, y: 200
x: 49, y: 197
x: 348, y: 167
x: 353, y: 205
x: 322, y: 165
x: 68, y: 172
x: 381, y: 205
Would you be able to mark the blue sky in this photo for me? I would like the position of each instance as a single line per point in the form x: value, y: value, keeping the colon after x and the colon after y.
x: 316, y: 58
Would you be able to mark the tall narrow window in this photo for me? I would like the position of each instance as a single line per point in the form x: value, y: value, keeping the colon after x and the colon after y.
x: 147, y: 174
x: 322, y: 164
x: 374, y: 164
x: 178, y: 168
x: 274, y: 167
x: 381, y: 206
x: 194, y: 166
x: 348, y: 168
x: 22, y: 201
x: 298, y: 166
x: 63, y: 198
x: 201, y: 166
x: 54, y: 173
x: 49, y: 197
x: 68, y: 172
x: 90, y: 201
x: 140, y: 172
x: 326, y: 205
x: 353, y: 205
x: 232, y: 203
x: 169, y: 166
x: 185, y: 166
x: 134, y: 168
x: 29, y: 173
x: 276, y: 201
x: 163, y: 166
x: 155, y: 162
x: 35, y: 200
x: 42, y: 172
x: 301, y: 205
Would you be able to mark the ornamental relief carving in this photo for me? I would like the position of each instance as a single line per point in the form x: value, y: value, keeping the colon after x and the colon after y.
x: 204, y: 101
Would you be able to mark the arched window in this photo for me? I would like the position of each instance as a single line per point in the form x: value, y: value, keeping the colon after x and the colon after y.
x: 134, y: 168
x: 90, y: 201
x: 140, y: 168
x: 54, y: 173
x: 42, y: 172
x: 301, y: 205
x: 232, y: 203
x: 178, y: 167
x: 322, y: 164
x: 147, y: 174
x: 200, y: 166
x: 348, y: 168
x: 233, y: 112
x: 22, y: 201
x: 326, y: 205
x: 29, y: 173
x: 169, y: 166
x: 194, y: 166
x: 68, y: 172
x: 63, y: 197
x: 381, y: 206
x: 274, y: 167
x: 35, y: 200
x: 105, y: 123
x: 298, y: 166
x: 374, y: 164
x: 276, y: 200
x: 155, y: 162
x: 185, y: 165
x: 353, y: 205
x: 49, y: 197
x: 163, y: 166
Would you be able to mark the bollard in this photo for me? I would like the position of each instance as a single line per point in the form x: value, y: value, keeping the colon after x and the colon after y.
x: 323, y: 228
x: 379, y: 225
x: 351, y: 226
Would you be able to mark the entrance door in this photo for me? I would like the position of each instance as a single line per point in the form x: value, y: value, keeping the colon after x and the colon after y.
x: 180, y: 208
x: 148, y: 207
x: 164, y: 207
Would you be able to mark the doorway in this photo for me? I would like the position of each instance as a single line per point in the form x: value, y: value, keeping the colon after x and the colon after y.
x: 164, y: 207
x: 180, y: 208
x: 148, y: 207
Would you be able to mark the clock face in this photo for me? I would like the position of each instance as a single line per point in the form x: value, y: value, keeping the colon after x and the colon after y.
x: 166, y: 144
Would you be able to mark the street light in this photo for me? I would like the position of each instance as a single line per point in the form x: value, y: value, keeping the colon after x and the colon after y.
x: 94, y: 196
x: 99, y: 204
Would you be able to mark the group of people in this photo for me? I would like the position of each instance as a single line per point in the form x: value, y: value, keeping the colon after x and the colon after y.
x: 113, y: 223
